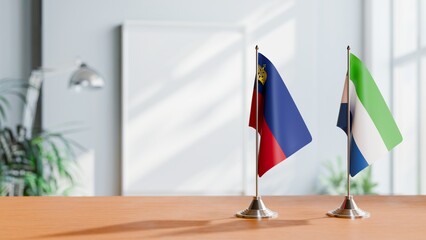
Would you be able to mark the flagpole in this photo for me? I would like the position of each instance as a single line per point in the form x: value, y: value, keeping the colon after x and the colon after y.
x: 257, y: 208
x: 348, y: 209
x: 257, y: 122
x: 349, y: 130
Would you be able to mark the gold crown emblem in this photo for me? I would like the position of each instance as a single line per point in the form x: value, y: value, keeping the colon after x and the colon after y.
x: 261, y: 74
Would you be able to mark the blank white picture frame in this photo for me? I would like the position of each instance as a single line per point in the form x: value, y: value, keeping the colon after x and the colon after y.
x: 183, y: 109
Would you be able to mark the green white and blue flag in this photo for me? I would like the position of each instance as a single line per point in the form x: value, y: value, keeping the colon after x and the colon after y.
x: 374, y: 131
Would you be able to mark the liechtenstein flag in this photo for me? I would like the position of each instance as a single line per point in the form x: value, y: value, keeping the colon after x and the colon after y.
x: 281, y: 127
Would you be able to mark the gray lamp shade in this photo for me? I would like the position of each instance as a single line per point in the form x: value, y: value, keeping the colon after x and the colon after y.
x: 86, y: 77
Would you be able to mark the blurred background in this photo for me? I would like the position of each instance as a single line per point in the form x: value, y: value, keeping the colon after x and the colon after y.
x: 171, y: 117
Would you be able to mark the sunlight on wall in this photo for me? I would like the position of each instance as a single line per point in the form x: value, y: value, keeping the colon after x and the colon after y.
x: 267, y: 12
x: 396, y: 64
x: 405, y: 32
x: 185, y: 116
x: 278, y: 44
x: 423, y: 20
x: 405, y: 112
x: 187, y: 95
x: 188, y: 132
x: 85, y: 186
x: 214, y: 45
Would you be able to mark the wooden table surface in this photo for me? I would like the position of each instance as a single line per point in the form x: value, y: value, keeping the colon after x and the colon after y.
x: 300, y: 217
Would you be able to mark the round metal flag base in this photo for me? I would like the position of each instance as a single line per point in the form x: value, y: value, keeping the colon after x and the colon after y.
x: 257, y: 209
x: 349, y: 209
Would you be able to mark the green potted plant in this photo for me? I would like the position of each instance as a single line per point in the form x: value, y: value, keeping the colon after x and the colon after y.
x: 40, y: 164
x: 333, y: 181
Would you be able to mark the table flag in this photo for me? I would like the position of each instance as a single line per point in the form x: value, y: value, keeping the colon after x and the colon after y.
x: 374, y: 131
x: 281, y: 127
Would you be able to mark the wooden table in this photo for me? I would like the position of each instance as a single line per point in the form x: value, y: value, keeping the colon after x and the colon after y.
x: 301, y: 217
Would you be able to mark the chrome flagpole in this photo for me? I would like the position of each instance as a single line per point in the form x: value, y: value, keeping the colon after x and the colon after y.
x: 257, y: 121
x: 257, y: 208
x: 348, y: 209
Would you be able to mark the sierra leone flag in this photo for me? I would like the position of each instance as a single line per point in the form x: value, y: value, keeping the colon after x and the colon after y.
x: 374, y: 131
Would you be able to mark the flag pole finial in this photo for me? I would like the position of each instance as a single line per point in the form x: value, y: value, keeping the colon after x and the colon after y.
x: 349, y: 48
x: 257, y: 47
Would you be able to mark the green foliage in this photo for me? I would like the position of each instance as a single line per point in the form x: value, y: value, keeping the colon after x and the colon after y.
x: 36, y: 166
x: 334, y: 181
x: 33, y: 166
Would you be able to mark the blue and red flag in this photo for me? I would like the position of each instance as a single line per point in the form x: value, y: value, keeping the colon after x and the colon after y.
x: 281, y: 127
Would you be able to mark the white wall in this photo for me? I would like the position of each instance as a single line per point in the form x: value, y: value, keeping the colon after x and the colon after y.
x: 393, y: 43
x: 311, y: 54
x: 15, y: 47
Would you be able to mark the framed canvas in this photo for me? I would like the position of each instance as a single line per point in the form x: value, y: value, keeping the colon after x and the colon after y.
x: 184, y: 112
